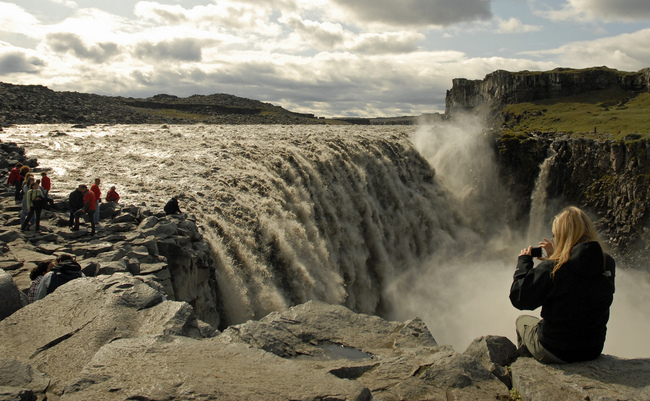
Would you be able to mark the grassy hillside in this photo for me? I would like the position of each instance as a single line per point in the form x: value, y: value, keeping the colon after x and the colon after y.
x: 609, y: 111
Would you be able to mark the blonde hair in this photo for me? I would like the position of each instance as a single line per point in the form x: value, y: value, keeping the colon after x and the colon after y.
x: 570, y: 227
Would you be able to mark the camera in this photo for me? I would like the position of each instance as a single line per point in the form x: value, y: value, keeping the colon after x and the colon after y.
x: 536, y: 252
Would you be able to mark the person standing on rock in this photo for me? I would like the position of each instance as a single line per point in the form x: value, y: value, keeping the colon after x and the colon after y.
x: 46, y: 183
x: 14, y: 180
x: 574, y: 285
x: 98, y: 199
x: 65, y: 269
x: 35, y: 201
x: 76, y: 204
x: 26, y: 186
x: 89, y: 206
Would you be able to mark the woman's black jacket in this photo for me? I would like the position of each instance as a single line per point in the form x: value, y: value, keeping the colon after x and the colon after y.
x: 575, y: 302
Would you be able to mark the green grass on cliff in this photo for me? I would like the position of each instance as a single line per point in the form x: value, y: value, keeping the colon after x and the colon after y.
x: 609, y: 111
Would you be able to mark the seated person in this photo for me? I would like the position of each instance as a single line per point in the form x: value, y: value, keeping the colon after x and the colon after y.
x: 112, y: 196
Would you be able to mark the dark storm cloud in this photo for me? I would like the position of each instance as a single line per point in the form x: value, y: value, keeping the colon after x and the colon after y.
x: 71, y: 43
x: 18, y: 62
x: 177, y: 49
x: 418, y: 12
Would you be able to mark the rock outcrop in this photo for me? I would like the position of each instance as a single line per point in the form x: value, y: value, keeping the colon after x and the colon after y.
x: 609, y: 179
x: 503, y: 87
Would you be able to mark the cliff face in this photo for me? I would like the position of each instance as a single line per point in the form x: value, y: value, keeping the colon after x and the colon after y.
x: 502, y: 87
x: 608, y: 179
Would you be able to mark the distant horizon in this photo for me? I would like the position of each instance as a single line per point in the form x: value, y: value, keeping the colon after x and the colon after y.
x: 363, y: 59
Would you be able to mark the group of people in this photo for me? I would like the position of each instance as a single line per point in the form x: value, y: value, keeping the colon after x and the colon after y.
x: 86, y: 201
x: 32, y: 192
x: 34, y: 196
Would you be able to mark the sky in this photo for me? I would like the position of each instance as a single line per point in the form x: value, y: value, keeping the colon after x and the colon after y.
x: 355, y: 58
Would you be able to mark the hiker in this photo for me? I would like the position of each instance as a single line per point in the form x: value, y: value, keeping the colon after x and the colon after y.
x: 35, y: 202
x: 172, y: 207
x: 95, y: 189
x: 36, y: 275
x: 112, y: 196
x: 14, y: 180
x: 574, y: 285
x: 26, y: 186
x: 65, y: 269
x: 89, y: 206
x: 46, y: 183
x: 76, y: 204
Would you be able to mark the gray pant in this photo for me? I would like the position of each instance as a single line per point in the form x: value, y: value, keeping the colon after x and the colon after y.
x: 528, y: 335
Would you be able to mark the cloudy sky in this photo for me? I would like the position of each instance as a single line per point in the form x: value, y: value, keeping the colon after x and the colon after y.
x: 328, y: 57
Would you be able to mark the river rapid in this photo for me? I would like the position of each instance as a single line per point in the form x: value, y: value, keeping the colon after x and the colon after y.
x: 397, y: 221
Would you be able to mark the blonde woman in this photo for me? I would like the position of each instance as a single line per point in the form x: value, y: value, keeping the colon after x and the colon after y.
x: 574, y: 285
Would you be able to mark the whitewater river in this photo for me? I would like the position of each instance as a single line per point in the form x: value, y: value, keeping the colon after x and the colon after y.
x: 394, y: 220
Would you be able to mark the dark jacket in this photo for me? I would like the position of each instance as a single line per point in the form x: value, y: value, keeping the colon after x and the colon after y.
x: 172, y: 207
x: 575, y: 303
x: 76, y: 200
x: 60, y: 274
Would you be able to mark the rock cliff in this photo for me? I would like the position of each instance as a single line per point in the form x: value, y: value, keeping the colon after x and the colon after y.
x: 610, y: 179
x: 502, y: 87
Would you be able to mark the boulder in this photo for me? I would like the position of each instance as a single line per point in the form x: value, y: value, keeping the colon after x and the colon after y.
x: 11, y: 298
x: 494, y: 353
x: 603, y: 379
x: 83, y: 315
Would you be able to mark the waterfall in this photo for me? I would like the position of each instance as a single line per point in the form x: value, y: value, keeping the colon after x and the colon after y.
x: 538, y: 226
x: 396, y: 221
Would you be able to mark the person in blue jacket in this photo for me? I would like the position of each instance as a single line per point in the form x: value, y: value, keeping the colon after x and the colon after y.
x: 574, y: 285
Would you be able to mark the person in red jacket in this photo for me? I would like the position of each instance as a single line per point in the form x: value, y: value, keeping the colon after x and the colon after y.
x: 15, y: 180
x: 89, y: 206
x: 46, y: 183
x: 95, y: 189
x: 112, y: 195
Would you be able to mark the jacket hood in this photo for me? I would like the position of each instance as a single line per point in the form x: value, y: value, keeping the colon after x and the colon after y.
x: 587, y: 259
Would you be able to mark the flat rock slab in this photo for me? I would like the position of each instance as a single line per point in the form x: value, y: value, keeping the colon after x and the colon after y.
x: 173, y: 367
x: 604, y: 379
x: 60, y: 333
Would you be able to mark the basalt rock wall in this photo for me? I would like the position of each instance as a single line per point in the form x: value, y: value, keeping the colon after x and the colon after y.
x: 609, y: 179
x: 502, y: 87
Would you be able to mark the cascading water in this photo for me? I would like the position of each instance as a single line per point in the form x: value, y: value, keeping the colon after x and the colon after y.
x: 538, y: 226
x: 347, y: 215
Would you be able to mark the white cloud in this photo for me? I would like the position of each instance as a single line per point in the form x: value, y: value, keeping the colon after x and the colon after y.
x: 603, y: 10
x: 627, y: 52
x: 514, y: 25
x: 15, y: 19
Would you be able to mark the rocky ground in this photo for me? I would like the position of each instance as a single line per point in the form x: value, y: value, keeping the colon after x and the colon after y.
x: 126, y: 332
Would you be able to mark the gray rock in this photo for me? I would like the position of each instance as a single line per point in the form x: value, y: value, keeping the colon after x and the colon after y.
x: 604, y: 379
x: 11, y: 298
x: 494, y: 353
x: 157, y: 368
x: 394, y: 360
x: 21, y: 375
x: 83, y: 315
